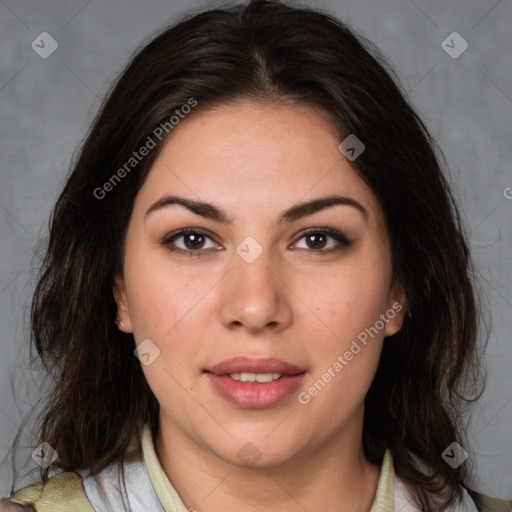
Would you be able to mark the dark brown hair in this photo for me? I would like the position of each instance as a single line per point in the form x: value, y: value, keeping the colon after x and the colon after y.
x: 267, y: 52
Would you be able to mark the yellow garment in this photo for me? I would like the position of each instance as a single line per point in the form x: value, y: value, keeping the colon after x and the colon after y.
x: 62, y: 492
x: 385, y: 496
x: 167, y: 495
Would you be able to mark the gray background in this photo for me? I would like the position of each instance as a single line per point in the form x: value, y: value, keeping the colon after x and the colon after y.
x: 47, y: 104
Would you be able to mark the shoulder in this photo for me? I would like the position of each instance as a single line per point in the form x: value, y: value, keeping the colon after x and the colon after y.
x: 122, y: 486
x: 489, y: 504
x: 76, y: 492
x: 62, y: 492
x: 405, y: 502
x: 471, y: 501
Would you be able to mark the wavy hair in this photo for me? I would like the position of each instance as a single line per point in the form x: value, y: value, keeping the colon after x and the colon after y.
x: 267, y: 52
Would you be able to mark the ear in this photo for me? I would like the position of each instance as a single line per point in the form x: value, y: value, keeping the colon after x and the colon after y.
x: 123, y: 319
x: 397, y: 309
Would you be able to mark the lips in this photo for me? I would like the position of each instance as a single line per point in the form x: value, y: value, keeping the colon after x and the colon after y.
x: 255, y: 383
x: 247, y: 365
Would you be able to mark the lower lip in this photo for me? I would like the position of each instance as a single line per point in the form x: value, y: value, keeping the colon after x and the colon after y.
x: 257, y: 395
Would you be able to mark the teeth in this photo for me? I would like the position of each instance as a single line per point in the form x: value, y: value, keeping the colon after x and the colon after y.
x: 255, y: 377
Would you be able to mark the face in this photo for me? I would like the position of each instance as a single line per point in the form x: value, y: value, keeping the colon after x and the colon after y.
x: 260, y: 286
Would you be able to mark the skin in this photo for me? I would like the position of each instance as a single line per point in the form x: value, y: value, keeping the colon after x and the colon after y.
x: 295, y: 302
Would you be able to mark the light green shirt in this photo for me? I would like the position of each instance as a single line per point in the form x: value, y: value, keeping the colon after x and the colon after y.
x: 389, y: 489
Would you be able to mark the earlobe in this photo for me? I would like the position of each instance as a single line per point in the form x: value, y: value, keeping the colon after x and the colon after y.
x: 397, y: 309
x: 122, y: 319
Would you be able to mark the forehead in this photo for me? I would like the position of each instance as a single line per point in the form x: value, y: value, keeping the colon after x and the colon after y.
x: 255, y: 158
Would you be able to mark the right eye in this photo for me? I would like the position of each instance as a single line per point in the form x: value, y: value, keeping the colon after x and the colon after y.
x: 193, y: 241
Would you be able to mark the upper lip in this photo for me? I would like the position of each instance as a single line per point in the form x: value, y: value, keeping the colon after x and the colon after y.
x: 248, y: 365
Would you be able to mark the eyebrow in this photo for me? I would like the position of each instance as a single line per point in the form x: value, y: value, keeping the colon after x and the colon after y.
x: 297, y: 211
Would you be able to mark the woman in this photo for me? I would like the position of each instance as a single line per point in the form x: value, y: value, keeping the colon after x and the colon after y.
x: 257, y: 292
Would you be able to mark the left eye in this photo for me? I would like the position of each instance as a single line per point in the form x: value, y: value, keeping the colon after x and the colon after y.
x: 316, y: 240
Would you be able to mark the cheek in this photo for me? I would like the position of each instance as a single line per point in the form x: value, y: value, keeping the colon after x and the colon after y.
x: 167, y: 305
x: 162, y: 294
x: 347, y: 336
x: 346, y: 355
x: 346, y: 301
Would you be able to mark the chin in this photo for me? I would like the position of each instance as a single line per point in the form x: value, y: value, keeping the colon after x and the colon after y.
x: 259, y: 453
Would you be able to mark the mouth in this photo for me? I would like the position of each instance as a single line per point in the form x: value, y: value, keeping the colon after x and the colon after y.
x: 255, y: 383
x: 242, y: 365
x: 255, y: 377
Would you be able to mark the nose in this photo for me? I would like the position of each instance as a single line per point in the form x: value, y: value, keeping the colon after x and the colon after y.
x: 255, y: 296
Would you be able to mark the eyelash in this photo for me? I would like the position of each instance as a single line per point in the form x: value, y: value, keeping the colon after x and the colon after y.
x: 342, y: 240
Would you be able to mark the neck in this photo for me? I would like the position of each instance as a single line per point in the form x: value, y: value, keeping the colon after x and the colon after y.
x: 334, y: 475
